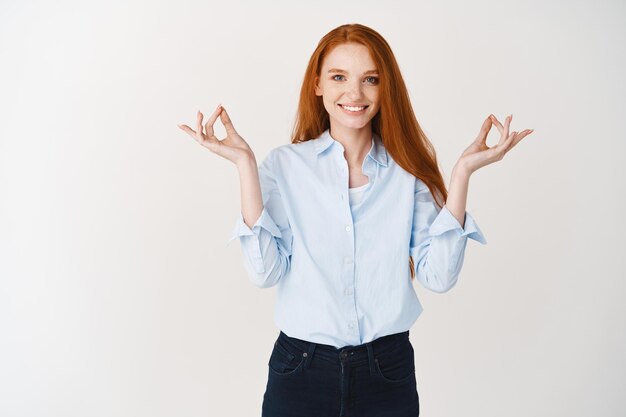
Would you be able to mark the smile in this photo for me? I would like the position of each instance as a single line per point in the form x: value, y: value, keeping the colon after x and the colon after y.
x: 353, y: 110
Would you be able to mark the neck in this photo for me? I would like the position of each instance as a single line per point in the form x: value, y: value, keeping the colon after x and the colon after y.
x: 356, y: 143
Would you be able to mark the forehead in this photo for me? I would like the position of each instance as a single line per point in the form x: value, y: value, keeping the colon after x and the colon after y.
x: 349, y: 56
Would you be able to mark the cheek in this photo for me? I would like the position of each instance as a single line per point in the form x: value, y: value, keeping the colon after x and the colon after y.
x: 329, y: 98
x: 377, y: 105
x: 329, y: 105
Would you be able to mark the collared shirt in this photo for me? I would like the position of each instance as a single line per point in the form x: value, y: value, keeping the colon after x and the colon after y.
x: 342, y: 270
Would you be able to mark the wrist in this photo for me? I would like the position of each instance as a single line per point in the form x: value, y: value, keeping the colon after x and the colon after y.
x: 461, y: 170
x: 247, y: 162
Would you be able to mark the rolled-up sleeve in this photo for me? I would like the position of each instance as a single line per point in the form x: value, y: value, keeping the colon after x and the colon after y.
x: 266, y: 247
x: 438, y: 241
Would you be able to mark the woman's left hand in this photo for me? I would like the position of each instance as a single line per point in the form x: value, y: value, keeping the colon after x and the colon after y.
x: 478, y: 154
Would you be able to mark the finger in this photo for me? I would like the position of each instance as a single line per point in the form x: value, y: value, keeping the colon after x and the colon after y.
x: 228, y: 124
x: 209, y: 124
x: 199, y: 122
x: 503, y: 146
x: 192, y: 133
x: 505, y: 131
x: 484, y: 130
x: 187, y: 129
x: 497, y: 123
x: 521, y: 135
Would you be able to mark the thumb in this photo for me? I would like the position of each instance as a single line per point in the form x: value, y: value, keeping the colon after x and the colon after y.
x: 228, y: 124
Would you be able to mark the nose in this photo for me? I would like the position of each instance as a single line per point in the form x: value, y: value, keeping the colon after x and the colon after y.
x: 354, y: 89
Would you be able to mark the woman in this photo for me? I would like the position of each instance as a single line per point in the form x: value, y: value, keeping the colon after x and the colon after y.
x: 342, y: 220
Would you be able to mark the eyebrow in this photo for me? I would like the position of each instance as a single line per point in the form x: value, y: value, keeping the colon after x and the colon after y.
x: 345, y: 72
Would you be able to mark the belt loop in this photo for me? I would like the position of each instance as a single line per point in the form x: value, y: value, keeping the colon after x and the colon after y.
x: 309, y: 357
x: 370, y: 355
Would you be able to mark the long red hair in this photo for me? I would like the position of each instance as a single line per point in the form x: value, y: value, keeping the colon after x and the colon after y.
x: 395, y: 123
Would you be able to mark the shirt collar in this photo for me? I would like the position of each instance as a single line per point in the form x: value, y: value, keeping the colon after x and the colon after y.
x: 378, y: 152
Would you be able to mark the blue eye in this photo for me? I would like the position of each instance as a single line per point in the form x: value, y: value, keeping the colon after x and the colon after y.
x: 374, y: 80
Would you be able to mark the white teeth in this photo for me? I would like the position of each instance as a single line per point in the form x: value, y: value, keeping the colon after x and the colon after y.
x: 352, y: 108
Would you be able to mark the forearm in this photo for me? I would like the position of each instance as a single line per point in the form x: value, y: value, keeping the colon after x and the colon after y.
x: 457, y: 193
x: 251, y: 197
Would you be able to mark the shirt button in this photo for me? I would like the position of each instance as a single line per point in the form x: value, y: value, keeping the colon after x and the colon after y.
x: 350, y: 325
x: 348, y: 228
x: 348, y: 260
x: 348, y: 291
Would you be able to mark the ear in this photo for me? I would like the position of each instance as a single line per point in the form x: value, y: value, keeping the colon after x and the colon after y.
x: 318, y: 89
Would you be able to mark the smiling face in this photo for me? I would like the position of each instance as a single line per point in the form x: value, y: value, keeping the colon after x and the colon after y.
x: 349, y: 86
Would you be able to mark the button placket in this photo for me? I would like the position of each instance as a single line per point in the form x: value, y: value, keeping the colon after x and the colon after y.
x: 347, y: 279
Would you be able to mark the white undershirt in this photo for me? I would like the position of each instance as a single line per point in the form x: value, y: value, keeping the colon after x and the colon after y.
x: 356, y: 193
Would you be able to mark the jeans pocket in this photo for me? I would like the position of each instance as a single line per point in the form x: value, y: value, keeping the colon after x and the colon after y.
x: 285, y: 360
x: 398, y: 363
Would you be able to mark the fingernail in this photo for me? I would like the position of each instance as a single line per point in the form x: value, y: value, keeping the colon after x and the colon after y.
x: 218, y: 106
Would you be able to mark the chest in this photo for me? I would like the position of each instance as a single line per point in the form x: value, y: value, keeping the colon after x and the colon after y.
x: 357, y: 178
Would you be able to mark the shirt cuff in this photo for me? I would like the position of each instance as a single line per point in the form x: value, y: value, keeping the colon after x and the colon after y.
x: 445, y: 221
x: 265, y: 221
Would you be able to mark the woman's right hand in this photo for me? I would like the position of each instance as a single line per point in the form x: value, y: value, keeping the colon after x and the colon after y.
x: 233, y: 147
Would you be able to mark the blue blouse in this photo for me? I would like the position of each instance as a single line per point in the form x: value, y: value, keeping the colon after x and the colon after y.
x: 342, y: 270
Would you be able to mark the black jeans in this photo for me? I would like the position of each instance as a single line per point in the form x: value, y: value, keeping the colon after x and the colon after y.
x: 369, y: 380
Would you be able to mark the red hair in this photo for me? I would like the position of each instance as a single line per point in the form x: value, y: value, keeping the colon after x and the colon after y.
x: 395, y: 122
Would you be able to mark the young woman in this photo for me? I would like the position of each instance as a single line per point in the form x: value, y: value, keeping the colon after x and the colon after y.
x: 342, y: 220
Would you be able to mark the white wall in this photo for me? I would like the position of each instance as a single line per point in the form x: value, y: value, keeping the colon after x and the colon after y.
x: 118, y: 296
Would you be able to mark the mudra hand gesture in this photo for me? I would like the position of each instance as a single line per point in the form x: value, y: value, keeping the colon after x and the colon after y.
x: 233, y: 147
x: 478, y: 154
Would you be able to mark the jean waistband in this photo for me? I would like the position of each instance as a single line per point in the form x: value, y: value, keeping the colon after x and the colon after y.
x: 346, y: 353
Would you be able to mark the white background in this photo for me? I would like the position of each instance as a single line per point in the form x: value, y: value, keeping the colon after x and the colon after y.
x: 118, y: 296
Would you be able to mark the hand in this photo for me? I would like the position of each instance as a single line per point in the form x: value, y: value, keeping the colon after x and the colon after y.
x: 233, y: 147
x: 478, y: 154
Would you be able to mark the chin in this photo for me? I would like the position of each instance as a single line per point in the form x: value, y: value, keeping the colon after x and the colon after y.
x: 356, y: 124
